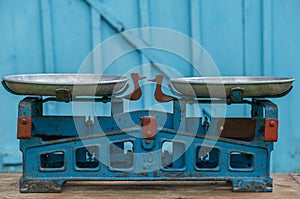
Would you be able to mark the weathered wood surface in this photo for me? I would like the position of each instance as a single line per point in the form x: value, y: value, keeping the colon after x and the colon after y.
x: 286, y: 186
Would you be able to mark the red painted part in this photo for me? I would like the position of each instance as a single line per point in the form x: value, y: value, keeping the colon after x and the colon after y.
x: 271, y: 130
x: 149, y: 127
x: 159, y: 95
x: 137, y: 91
x: 24, y: 127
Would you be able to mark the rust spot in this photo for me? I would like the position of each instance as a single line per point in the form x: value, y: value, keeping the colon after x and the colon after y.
x: 237, y: 127
x: 268, y: 184
x: 179, y: 174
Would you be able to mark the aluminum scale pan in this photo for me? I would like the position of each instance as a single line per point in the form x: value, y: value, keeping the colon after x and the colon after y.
x: 254, y: 86
x: 79, y: 84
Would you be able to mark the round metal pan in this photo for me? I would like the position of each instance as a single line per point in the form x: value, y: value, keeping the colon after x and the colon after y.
x: 217, y: 87
x: 78, y: 84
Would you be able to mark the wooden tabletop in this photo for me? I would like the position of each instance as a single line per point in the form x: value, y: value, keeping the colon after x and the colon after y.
x: 286, y: 186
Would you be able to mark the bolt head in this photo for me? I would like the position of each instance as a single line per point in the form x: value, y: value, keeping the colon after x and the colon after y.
x: 24, y: 121
x: 272, y: 124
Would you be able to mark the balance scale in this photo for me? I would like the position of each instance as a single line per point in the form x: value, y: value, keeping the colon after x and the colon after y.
x: 130, y: 145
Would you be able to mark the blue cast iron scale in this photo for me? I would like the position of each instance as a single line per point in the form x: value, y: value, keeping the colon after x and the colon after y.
x: 145, y: 145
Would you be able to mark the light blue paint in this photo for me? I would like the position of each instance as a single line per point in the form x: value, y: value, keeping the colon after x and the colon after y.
x: 286, y: 62
x: 252, y: 37
x: 47, y: 36
x: 244, y: 37
x: 267, y: 37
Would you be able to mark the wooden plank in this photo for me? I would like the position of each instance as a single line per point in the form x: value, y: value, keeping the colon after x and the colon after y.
x: 48, y: 53
x: 71, y: 34
x: 175, y: 16
x: 133, y: 40
x: 222, y: 34
x: 267, y: 37
x: 284, y: 185
x: 195, y: 27
x: 7, y: 39
x: 296, y: 177
x: 146, y: 68
x: 28, y: 48
x: 96, y: 39
x: 244, y: 35
x: 252, y: 30
x: 106, y: 13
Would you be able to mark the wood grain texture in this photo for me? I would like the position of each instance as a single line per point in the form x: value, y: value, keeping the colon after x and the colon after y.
x: 284, y: 185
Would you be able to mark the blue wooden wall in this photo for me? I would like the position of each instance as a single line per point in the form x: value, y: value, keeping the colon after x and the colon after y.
x: 244, y: 37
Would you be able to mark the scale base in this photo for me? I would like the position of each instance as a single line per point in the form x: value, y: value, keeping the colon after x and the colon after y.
x: 147, y: 148
x: 40, y: 186
x: 55, y: 186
